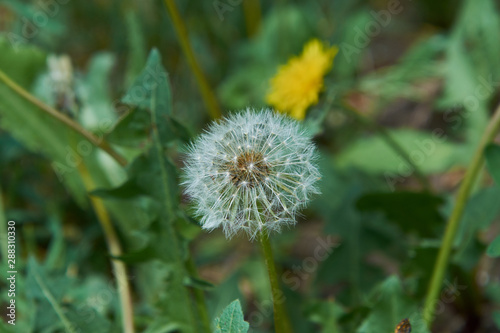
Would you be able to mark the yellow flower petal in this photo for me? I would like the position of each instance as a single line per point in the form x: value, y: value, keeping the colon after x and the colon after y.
x: 297, y: 84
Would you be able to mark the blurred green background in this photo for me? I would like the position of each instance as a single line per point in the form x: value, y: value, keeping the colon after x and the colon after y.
x: 412, y: 78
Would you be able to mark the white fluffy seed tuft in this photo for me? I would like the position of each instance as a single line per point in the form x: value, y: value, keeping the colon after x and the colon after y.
x: 252, y: 171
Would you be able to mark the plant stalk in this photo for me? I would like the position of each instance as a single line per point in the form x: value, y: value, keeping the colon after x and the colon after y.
x: 115, y: 250
x: 281, y: 322
x: 455, y: 217
x: 206, y: 92
x: 62, y: 118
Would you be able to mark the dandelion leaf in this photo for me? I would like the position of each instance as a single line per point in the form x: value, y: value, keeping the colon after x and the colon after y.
x: 389, y: 305
x: 155, y: 176
x: 231, y: 320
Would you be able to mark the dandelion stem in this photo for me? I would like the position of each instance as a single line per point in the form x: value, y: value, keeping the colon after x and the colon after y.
x: 455, y: 217
x: 180, y: 28
x: 281, y: 322
x: 389, y: 140
x: 115, y: 250
x: 62, y: 118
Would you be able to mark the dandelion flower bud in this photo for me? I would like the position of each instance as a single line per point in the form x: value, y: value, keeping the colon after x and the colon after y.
x: 252, y: 171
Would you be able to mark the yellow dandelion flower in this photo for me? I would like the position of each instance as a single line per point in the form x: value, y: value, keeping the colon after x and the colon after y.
x: 297, y: 84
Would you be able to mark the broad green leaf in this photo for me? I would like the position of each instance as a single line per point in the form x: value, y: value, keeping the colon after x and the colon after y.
x: 360, y: 234
x: 429, y: 151
x: 231, y: 320
x: 128, y: 190
x: 156, y: 176
x: 492, y: 153
x: 132, y: 129
x: 494, y: 248
x: 48, y: 292
x: 467, y: 85
x: 34, y: 129
x: 151, y: 91
x: 389, y: 306
x: 67, y: 150
x: 481, y: 32
x: 22, y: 64
x: 97, y: 110
x: 411, y: 211
x: 419, y: 63
x: 136, y: 46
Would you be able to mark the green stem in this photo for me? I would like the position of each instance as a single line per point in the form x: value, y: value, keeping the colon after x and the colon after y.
x: 180, y: 28
x: 115, y: 250
x: 389, y: 140
x: 454, y: 220
x: 281, y: 323
x: 62, y: 118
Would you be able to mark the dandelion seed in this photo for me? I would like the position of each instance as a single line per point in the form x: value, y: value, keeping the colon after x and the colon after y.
x: 257, y: 188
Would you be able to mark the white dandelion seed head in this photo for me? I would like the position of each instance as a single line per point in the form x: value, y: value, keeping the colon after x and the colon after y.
x: 256, y: 172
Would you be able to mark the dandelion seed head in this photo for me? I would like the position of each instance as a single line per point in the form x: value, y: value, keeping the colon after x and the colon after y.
x: 252, y: 171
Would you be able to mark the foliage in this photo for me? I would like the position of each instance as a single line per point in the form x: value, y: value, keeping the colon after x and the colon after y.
x: 399, y: 118
x: 231, y: 320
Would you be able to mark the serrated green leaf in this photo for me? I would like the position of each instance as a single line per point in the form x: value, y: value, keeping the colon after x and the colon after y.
x: 136, y: 46
x: 132, y: 129
x: 50, y: 291
x: 96, y: 110
x: 128, y: 190
x: 389, y: 307
x: 151, y: 90
x: 231, y: 320
x: 156, y: 176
